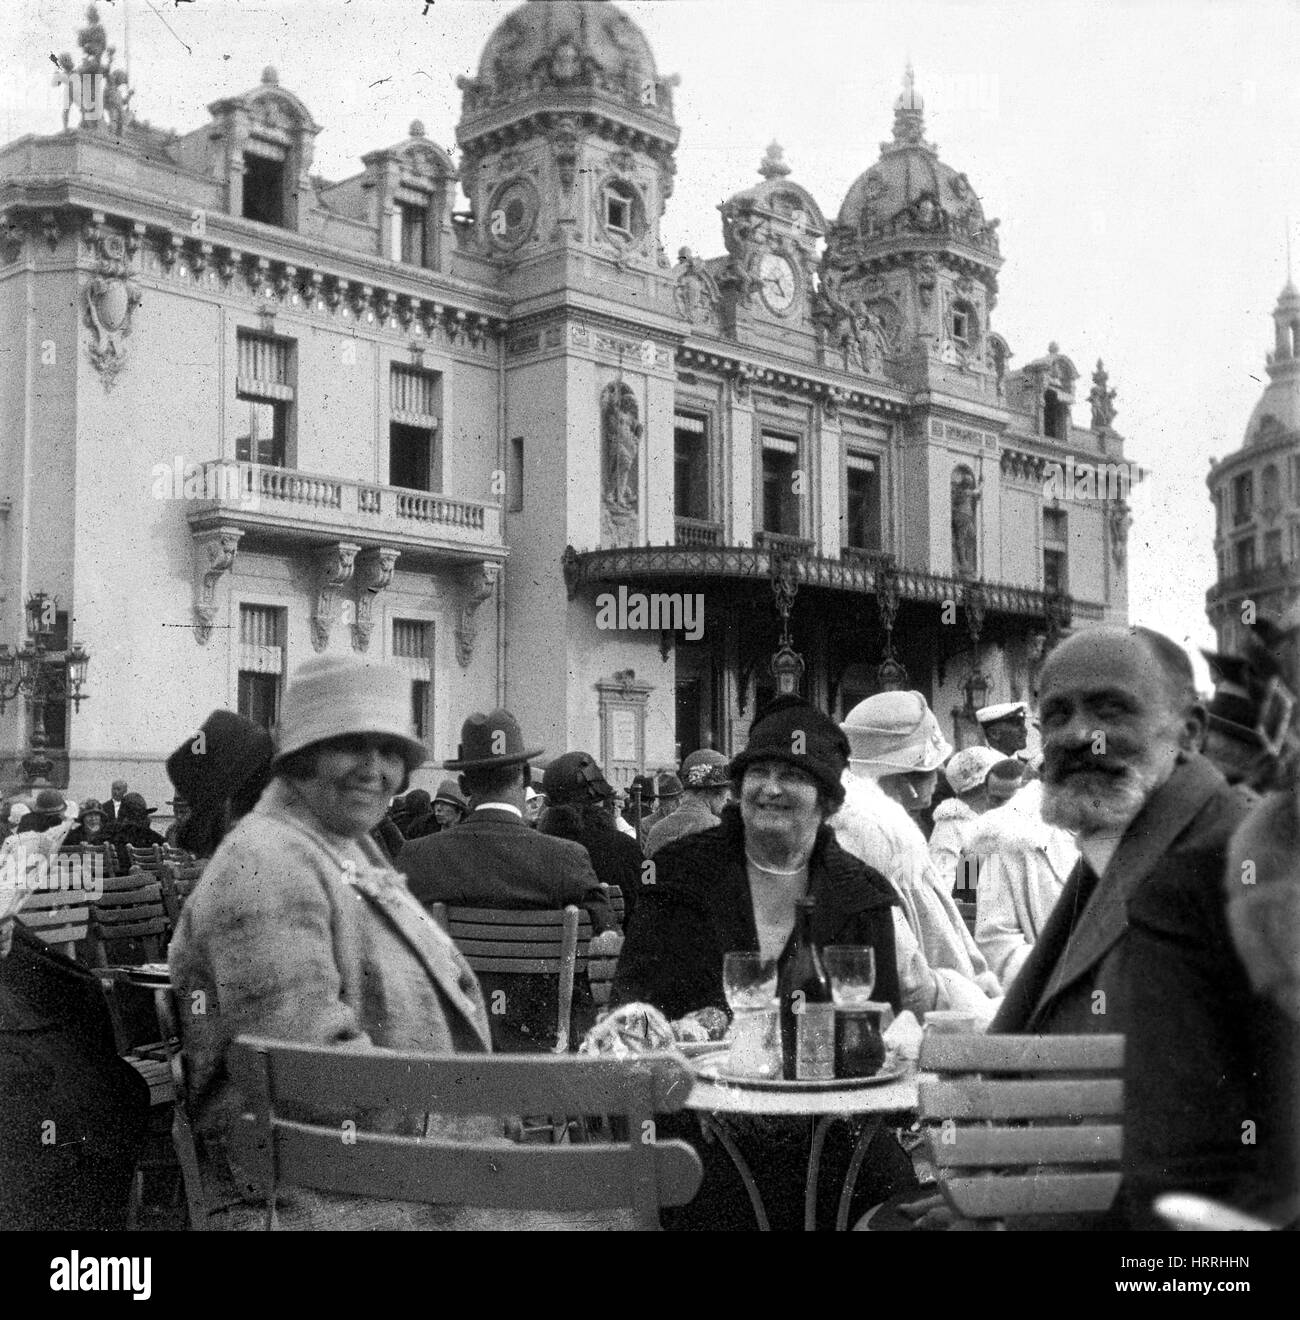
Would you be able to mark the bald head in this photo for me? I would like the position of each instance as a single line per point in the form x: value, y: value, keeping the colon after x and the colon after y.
x: 1140, y: 651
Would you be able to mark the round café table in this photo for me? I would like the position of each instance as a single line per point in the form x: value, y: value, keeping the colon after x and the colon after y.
x: 714, y: 1097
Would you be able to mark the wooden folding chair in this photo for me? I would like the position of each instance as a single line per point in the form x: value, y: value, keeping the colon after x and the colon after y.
x: 129, y: 920
x: 507, y: 942
x: 1024, y: 1126
x: 148, y: 858
x: 637, y: 1173
x: 59, y: 917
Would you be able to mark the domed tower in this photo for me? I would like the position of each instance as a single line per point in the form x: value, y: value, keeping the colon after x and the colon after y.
x: 1256, y: 494
x: 912, y: 256
x: 568, y: 137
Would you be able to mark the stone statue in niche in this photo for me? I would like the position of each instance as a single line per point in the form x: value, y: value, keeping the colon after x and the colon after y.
x: 965, y: 525
x: 620, y: 427
x: 1120, y: 520
x: 695, y: 292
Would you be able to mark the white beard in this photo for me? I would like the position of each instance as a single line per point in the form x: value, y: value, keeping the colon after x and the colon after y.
x: 1106, y: 804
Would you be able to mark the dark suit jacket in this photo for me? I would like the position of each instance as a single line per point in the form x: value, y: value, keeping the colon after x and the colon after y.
x: 699, y: 909
x: 1082, y: 952
x: 111, y: 810
x: 494, y: 860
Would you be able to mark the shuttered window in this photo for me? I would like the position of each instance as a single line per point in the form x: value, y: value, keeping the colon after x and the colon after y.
x: 265, y: 366
x: 261, y: 645
x: 414, y: 396
x: 411, y: 639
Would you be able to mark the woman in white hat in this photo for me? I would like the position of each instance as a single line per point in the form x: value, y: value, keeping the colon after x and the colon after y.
x: 301, y: 931
x: 895, y: 736
x: 956, y: 817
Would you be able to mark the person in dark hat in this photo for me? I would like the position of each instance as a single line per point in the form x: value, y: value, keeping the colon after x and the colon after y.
x: 133, y: 828
x: 735, y: 887
x: 493, y: 860
x: 706, y: 787
x: 90, y: 827
x: 640, y: 804
x: 46, y: 814
x: 446, y: 808
x: 1231, y: 744
x: 221, y: 772
x: 410, y: 811
x: 181, y: 813
x: 576, y: 793
x: 668, y: 795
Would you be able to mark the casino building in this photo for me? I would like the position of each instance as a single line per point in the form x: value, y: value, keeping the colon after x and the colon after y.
x: 262, y: 414
x: 1256, y: 496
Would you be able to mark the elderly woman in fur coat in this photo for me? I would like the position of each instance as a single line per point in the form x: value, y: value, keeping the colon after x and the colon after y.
x: 300, y: 930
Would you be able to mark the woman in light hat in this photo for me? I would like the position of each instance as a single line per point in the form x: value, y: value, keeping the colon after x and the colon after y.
x: 956, y: 817
x: 301, y: 931
x: 939, y: 964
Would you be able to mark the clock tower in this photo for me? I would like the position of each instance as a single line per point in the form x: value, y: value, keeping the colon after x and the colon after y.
x: 568, y: 139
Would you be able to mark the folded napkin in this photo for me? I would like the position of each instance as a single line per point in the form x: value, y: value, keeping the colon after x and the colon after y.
x: 904, y: 1036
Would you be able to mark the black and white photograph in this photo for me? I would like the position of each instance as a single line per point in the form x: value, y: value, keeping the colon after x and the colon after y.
x: 626, y: 615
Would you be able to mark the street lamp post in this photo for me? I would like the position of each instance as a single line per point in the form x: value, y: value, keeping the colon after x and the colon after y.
x: 41, y: 675
x: 786, y: 664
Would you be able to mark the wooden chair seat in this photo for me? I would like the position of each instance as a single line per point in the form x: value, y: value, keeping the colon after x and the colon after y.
x: 635, y: 1172
x: 1024, y: 1126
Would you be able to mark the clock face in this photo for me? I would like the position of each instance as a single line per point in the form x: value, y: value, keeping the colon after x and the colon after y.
x: 780, y: 282
x: 512, y: 212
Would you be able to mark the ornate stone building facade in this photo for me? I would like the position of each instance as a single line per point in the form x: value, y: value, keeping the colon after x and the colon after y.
x: 1256, y: 496
x: 514, y: 448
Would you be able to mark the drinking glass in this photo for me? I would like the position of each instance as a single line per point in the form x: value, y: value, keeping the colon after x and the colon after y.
x: 749, y: 982
x: 851, y: 969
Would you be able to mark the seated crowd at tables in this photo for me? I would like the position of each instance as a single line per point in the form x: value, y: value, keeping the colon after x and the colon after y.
x: 1094, y: 888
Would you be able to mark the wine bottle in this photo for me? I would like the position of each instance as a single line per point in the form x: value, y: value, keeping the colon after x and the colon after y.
x: 807, y: 1010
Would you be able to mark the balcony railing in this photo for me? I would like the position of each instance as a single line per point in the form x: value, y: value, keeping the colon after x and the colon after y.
x: 1264, y: 577
x: 284, y: 503
x: 696, y: 531
x: 873, y: 559
x: 783, y: 543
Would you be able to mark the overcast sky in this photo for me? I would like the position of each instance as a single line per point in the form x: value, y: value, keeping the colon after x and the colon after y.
x: 1141, y: 156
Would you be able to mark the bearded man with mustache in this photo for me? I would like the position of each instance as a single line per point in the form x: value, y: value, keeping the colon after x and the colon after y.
x: 1138, y: 942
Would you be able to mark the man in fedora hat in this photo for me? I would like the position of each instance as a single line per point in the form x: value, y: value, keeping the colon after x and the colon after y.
x: 493, y: 860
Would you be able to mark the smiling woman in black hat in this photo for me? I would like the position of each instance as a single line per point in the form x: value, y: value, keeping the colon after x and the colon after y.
x: 735, y: 887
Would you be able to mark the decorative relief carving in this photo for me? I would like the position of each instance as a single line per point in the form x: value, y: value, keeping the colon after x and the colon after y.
x: 478, y: 586
x: 1119, y: 520
x: 110, y: 299
x: 621, y: 430
x: 335, y: 566
x: 214, y: 556
x: 374, y: 573
x: 695, y: 292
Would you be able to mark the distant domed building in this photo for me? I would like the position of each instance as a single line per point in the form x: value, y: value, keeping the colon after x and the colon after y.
x: 518, y: 449
x: 1256, y: 495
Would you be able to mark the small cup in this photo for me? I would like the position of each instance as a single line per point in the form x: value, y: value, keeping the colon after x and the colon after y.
x: 859, y: 1038
x: 949, y: 1022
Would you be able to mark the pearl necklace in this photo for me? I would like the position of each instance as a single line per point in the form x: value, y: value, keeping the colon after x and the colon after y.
x: 773, y: 870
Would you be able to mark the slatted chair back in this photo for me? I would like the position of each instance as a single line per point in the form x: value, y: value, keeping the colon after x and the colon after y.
x: 279, y: 1079
x: 148, y: 858
x: 1024, y: 1126
x: 514, y: 943
x: 178, y: 880
x: 59, y: 917
x: 600, y: 973
x: 176, y: 855
x: 616, y: 901
x: 129, y: 920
